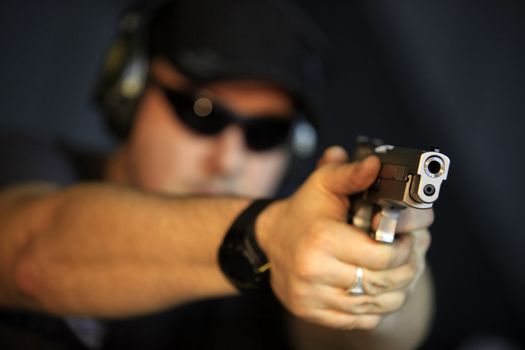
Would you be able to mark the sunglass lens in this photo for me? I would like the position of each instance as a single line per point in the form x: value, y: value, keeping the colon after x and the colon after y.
x: 207, y: 122
x: 261, y: 134
x: 265, y: 134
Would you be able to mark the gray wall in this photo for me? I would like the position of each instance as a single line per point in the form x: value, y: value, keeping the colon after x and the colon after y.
x: 50, y: 52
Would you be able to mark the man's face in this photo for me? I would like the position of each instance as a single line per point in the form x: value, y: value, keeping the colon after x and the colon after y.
x: 163, y: 154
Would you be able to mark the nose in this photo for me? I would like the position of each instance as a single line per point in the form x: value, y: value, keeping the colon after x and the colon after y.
x: 230, y: 152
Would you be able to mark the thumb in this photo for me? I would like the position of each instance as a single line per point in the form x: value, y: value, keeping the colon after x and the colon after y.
x: 349, y: 178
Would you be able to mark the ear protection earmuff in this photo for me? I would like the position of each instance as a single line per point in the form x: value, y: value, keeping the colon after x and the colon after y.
x: 124, y: 73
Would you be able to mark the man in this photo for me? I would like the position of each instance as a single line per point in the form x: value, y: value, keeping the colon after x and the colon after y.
x: 212, y: 117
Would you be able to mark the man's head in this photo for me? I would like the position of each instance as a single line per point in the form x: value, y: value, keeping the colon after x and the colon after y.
x: 225, y: 83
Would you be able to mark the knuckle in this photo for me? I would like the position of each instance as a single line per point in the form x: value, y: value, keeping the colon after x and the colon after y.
x: 306, y: 268
x: 372, y: 288
x: 383, y: 284
x: 317, y: 236
x: 389, y: 281
x: 364, y: 307
x: 309, y: 251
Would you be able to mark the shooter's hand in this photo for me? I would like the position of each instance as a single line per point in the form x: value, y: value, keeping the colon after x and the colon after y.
x: 314, y: 252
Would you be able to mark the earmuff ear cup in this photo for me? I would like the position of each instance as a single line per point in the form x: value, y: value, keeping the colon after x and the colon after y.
x: 124, y: 74
x: 303, y: 139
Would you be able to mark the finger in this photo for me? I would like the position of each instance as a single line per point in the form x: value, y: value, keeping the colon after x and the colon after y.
x: 343, y: 276
x: 333, y: 155
x: 381, y: 304
x: 349, y: 178
x: 410, y: 219
x: 342, y: 320
x: 422, y: 240
x: 386, y: 281
x: 353, y: 246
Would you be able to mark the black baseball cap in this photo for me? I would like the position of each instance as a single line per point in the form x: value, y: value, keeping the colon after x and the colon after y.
x: 271, y: 40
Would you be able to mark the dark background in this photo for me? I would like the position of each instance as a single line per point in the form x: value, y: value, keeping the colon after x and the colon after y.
x: 415, y: 73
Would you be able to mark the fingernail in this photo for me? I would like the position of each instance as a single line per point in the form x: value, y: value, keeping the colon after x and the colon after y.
x: 335, y: 152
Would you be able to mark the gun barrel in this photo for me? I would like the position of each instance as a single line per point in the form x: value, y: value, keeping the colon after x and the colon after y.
x: 408, y: 178
x: 434, y: 166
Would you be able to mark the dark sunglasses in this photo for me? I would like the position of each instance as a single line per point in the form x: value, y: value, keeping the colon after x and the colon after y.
x: 207, y: 117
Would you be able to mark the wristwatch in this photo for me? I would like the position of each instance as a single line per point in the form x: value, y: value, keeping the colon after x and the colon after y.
x: 240, y: 257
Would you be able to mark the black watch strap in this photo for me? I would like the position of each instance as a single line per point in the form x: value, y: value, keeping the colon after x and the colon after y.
x: 240, y: 257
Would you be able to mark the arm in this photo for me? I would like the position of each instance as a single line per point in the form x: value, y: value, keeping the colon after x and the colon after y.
x: 109, y: 251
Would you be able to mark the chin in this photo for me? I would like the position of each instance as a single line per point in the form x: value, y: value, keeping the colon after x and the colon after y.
x: 202, y: 191
x: 214, y: 192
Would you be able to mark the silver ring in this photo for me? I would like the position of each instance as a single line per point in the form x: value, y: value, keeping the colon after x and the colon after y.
x: 357, y: 286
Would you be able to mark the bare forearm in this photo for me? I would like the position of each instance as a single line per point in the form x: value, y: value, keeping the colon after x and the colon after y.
x: 109, y: 251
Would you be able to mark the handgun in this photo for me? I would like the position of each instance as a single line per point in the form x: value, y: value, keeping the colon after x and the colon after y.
x: 407, y: 178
